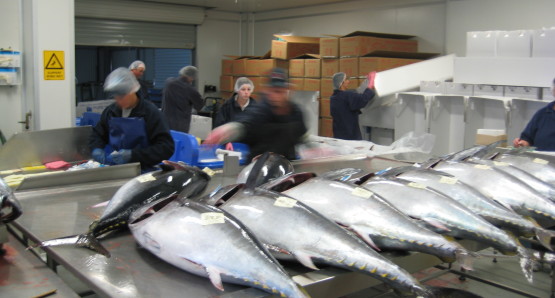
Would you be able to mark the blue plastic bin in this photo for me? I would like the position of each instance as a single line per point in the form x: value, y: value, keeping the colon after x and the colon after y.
x: 89, y: 118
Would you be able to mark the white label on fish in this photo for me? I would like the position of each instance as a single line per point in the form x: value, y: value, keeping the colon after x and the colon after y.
x: 146, y: 178
x: 285, y: 202
x: 541, y: 161
x: 482, y: 167
x: 448, y: 180
x: 500, y: 164
x: 209, y: 171
x: 210, y: 218
x: 362, y: 192
x: 416, y: 185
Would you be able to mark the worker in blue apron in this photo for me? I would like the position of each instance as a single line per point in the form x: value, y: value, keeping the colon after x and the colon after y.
x: 131, y: 129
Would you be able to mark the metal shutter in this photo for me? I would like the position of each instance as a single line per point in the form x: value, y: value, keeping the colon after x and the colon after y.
x: 168, y: 62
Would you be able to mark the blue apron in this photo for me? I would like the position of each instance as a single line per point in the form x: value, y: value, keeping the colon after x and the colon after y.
x: 127, y: 133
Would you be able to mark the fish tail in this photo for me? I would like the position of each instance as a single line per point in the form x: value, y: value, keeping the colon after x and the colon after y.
x: 526, y: 263
x: 544, y: 237
x: 83, y: 240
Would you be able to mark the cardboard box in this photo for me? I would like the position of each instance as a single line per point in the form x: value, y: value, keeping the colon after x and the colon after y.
x: 349, y: 66
x: 325, y: 107
x: 258, y: 83
x: 297, y: 84
x: 384, y: 60
x: 262, y: 67
x: 488, y: 136
x: 311, y: 85
x: 329, y: 67
x: 329, y: 47
x: 227, y: 83
x: 296, y: 68
x: 225, y: 95
x: 287, y: 47
x: 312, y: 68
x: 326, y: 87
x: 360, y: 42
x: 240, y: 65
x: 227, y: 67
x: 326, y: 127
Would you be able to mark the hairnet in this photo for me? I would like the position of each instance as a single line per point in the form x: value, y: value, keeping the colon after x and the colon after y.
x: 137, y: 64
x: 121, y: 82
x: 338, y: 79
x: 242, y: 81
x: 189, y: 71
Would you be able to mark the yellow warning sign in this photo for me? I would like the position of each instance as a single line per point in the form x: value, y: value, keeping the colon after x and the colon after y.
x: 54, y: 65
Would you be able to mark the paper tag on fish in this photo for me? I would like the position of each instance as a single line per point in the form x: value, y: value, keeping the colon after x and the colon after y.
x: 482, y: 167
x: 500, y: 164
x: 417, y: 185
x: 285, y: 202
x: 362, y: 192
x: 448, y: 180
x: 209, y: 171
x: 146, y: 178
x: 541, y: 161
x: 210, y: 218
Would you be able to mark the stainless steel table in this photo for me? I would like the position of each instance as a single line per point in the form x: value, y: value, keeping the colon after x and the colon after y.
x: 134, y: 272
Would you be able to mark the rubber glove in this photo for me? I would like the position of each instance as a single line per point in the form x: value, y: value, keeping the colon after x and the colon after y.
x: 371, y: 77
x: 121, y: 157
x: 98, y: 155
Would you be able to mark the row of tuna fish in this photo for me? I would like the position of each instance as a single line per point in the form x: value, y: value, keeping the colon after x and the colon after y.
x: 341, y: 218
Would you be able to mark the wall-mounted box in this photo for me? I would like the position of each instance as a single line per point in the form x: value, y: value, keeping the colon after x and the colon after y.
x: 287, y: 47
x: 514, y: 44
x: 481, y: 43
x: 10, y: 59
x: 543, y: 43
x: 522, y: 92
x: 359, y: 43
x: 9, y: 76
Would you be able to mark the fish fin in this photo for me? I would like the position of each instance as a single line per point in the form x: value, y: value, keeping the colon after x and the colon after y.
x: 544, y: 237
x: 436, y: 224
x: 394, y: 172
x: 431, y: 163
x: 215, y: 277
x: 305, y: 259
x: 252, y: 182
x: 103, y: 204
x: 504, y: 205
x: 166, y: 166
x: 83, y: 240
x: 341, y: 174
x: 365, y: 235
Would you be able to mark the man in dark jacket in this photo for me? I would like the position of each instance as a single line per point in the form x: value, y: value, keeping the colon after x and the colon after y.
x: 179, y: 98
x: 132, y: 126
x: 345, y: 106
x: 138, y: 69
x: 239, y: 102
x: 275, y: 124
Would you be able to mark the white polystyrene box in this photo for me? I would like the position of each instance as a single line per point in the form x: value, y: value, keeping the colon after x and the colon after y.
x: 522, y: 92
x: 543, y: 43
x: 482, y: 43
x: 459, y: 88
x: 488, y: 90
x: 432, y: 86
x: 200, y: 126
x: 516, y: 43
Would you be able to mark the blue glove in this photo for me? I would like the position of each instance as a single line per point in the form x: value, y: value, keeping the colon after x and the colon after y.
x: 121, y: 157
x: 98, y: 155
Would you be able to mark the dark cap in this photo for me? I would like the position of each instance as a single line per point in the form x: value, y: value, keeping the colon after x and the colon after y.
x: 278, y: 78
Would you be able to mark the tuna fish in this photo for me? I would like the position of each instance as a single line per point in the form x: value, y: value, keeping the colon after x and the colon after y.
x: 474, y: 200
x: 538, y: 167
x: 375, y: 220
x: 445, y: 215
x: 10, y: 209
x: 507, y: 190
x: 174, y: 179
x: 292, y: 229
x: 185, y: 233
x: 269, y: 166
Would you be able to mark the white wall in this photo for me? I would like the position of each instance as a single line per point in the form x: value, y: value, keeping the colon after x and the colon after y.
x: 481, y: 15
x: 424, y: 19
x: 10, y: 97
x: 217, y: 36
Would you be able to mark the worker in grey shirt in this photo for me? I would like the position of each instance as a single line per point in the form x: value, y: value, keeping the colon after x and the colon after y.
x: 179, y: 98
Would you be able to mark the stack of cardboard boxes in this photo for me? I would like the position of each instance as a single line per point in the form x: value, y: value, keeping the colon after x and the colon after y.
x: 312, y: 61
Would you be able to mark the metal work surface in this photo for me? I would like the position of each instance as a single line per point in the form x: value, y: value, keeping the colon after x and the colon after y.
x: 134, y: 272
x: 39, y: 147
x: 23, y: 275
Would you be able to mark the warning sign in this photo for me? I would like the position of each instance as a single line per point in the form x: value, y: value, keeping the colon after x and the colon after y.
x: 54, y: 65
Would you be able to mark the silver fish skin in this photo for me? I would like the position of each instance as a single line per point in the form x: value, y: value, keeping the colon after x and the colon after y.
x: 264, y: 168
x: 377, y: 222
x: 535, y: 166
x: 287, y: 225
x: 534, y: 182
x: 469, y: 197
x: 10, y: 208
x: 208, y: 242
x: 440, y: 212
x: 501, y: 187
